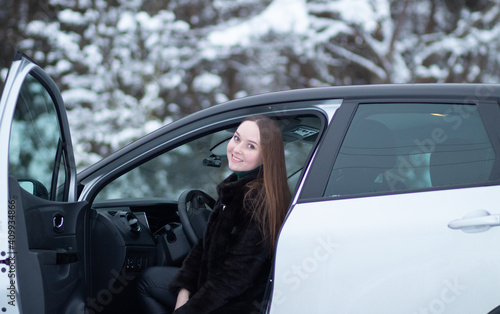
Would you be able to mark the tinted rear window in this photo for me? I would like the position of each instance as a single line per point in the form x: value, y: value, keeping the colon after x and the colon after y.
x: 397, y: 147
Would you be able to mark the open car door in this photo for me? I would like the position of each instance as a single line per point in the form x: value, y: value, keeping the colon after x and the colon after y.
x: 42, y: 227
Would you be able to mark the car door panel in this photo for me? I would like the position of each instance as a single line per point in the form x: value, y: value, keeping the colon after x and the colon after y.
x: 355, y: 253
x: 45, y: 248
x: 48, y: 259
x: 413, y: 226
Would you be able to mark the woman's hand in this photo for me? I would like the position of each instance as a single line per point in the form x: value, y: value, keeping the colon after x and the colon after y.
x: 182, y: 298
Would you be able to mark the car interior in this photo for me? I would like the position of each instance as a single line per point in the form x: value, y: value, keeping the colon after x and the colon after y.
x: 154, y: 213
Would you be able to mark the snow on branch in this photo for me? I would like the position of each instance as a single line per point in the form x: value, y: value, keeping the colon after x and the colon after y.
x: 362, y: 61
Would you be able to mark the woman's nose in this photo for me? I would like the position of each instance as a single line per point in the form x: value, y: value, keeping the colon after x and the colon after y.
x: 238, y: 147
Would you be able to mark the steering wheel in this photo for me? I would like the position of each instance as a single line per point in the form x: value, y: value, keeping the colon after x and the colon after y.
x: 194, y: 214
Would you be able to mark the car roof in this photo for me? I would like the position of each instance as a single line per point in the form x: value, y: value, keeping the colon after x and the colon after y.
x: 374, y: 91
x: 432, y: 91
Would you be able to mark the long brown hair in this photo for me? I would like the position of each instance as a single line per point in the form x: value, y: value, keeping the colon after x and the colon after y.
x: 271, y: 191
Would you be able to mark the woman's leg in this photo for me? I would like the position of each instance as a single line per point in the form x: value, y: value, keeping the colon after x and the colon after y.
x: 153, y: 290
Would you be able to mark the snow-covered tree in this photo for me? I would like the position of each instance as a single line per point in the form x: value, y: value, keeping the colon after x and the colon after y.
x: 383, y: 41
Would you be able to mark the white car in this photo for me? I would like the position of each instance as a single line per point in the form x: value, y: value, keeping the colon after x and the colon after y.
x: 395, y: 200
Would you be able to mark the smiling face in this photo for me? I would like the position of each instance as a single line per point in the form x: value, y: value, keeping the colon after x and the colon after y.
x: 244, y: 149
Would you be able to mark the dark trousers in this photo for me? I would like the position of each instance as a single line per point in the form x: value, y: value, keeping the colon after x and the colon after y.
x: 153, y: 290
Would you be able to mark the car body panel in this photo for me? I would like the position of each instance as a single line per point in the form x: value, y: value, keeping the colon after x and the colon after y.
x: 18, y: 72
x: 348, y: 253
x: 44, y: 231
x: 13, y: 84
x: 353, y: 255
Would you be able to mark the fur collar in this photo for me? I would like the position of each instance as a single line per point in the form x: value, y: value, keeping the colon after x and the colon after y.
x: 232, y: 187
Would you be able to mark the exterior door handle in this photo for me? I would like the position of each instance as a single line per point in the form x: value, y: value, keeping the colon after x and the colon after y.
x: 476, y: 221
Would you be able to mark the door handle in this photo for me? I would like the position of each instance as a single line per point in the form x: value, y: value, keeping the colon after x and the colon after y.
x: 58, y: 222
x: 476, y: 221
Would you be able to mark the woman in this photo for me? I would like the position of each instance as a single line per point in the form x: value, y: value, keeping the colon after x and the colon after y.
x: 227, y: 270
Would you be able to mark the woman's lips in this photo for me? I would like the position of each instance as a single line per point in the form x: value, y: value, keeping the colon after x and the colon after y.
x: 236, y: 159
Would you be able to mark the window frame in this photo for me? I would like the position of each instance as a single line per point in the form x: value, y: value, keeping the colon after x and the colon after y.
x: 181, y: 134
x: 65, y: 192
x: 316, y: 183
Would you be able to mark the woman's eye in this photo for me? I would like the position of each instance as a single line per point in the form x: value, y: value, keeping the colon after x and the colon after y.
x: 251, y: 146
x: 236, y: 138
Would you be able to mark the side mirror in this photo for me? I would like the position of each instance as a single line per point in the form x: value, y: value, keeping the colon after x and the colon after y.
x: 34, y: 187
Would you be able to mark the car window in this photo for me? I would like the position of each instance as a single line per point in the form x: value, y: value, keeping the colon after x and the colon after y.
x: 169, y: 174
x: 35, y: 157
x: 198, y: 165
x: 397, y: 147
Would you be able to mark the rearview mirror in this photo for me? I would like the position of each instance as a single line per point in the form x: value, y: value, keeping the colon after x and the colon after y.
x: 220, y: 149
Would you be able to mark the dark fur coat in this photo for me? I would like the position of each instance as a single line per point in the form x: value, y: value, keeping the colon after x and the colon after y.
x: 227, y: 270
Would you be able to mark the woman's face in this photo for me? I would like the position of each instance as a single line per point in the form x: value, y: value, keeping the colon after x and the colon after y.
x: 244, y: 149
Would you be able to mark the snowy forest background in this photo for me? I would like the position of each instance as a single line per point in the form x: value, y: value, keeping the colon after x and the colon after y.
x: 126, y: 67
